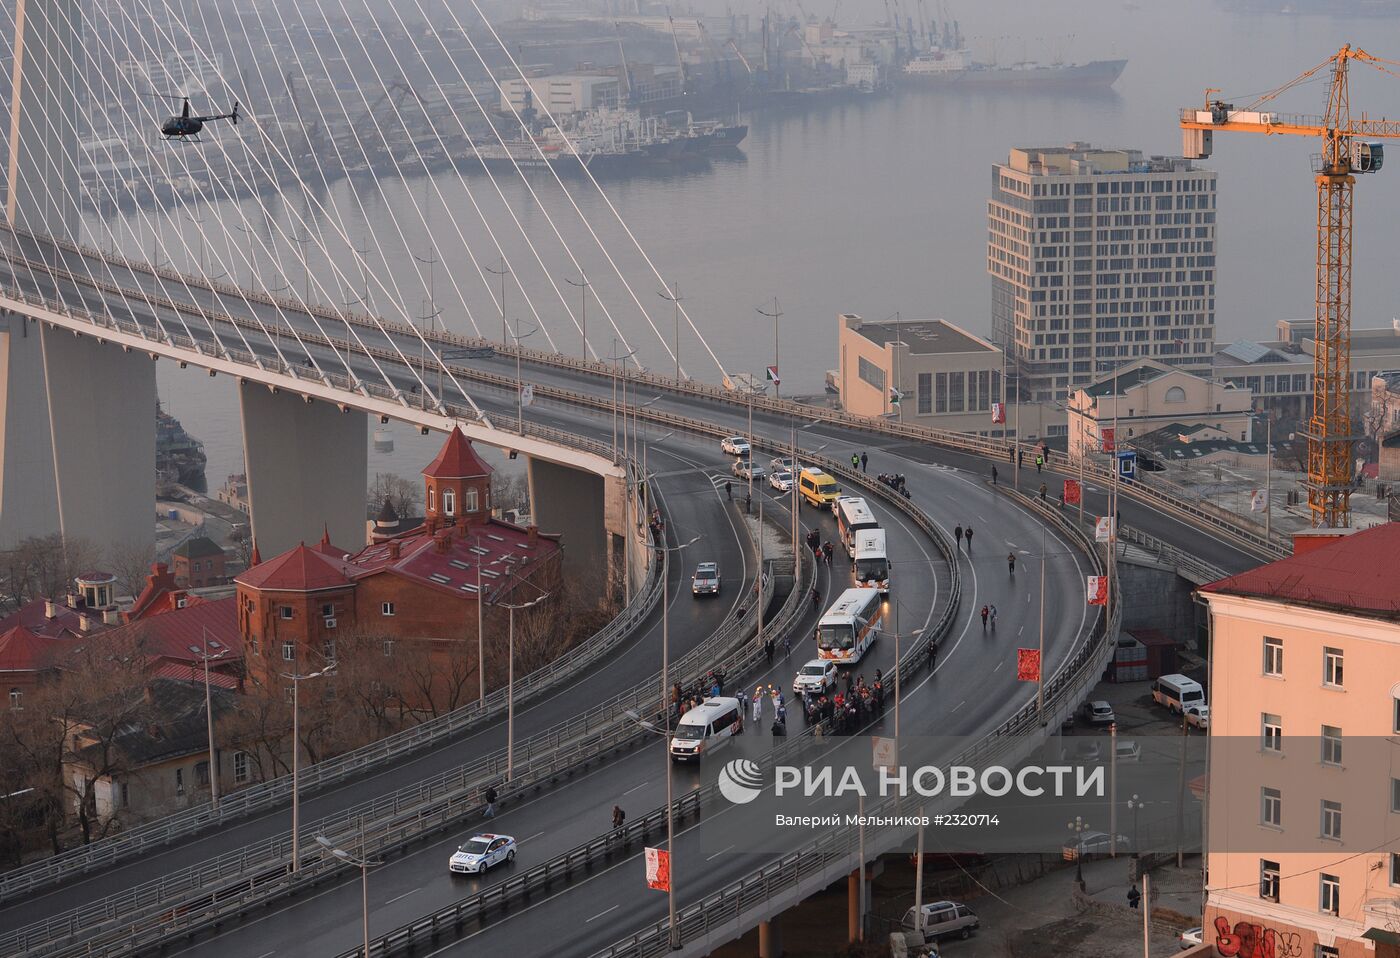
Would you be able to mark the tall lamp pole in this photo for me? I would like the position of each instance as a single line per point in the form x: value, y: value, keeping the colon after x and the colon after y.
x: 503, y: 272
x: 674, y: 296
x: 296, y: 678
x: 519, y: 384
x: 364, y: 865
x: 510, y: 677
x: 582, y: 283
x: 206, y: 658
x: 774, y: 317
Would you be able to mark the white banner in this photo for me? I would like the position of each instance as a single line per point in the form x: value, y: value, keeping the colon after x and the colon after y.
x: 1258, y: 501
x: 527, y: 394
x: 1103, y: 528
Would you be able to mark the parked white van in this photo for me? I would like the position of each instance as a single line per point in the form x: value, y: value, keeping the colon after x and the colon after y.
x: 704, y: 727
x: 1177, y: 692
x: 943, y: 918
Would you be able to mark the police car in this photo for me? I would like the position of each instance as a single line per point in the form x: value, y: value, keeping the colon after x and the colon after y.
x: 480, y: 853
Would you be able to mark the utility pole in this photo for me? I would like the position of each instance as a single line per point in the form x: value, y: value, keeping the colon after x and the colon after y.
x: 209, y: 717
x: 582, y: 284
x: 1268, y: 476
x: 774, y: 317
x: 502, y: 273
x: 675, y: 297
x: 519, y: 384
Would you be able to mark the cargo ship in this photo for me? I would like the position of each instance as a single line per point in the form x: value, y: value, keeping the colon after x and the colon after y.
x: 957, y: 68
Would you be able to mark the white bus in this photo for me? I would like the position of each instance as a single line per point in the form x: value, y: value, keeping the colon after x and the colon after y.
x: 853, y: 515
x: 848, y: 627
x: 871, y: 564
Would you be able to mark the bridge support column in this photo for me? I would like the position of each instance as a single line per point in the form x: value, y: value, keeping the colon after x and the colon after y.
x: 574, y: 504
x: 101, y: 407
x: 307, y: 465
x: 770, y: 938
x: 28, y: 500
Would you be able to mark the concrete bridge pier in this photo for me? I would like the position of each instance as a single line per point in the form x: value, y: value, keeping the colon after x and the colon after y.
x: 28, y: 499
x: 770, y: 938
x: 590, y: 511
x: 307, y: 464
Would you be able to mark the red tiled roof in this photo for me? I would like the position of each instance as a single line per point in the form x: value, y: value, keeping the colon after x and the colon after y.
x: 186, y: 672
x: 506, y: 552
x: 1357, y: 573
x: 457, y: 460
x: 171, y: 634
x: 298, y: 570
x: 66, y: 622
x: 23, y: 651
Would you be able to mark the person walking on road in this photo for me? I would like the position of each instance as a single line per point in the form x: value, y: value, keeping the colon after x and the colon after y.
x: 619, y: 816
x: 1011, y: 455
x: 816, y: 599
x: 932, y: 656
x: 1020, y: 458
x: 826, y: 552
x: 787, y: 646
x: 1042, y: 492
x: 768, y: 650
x: 994, y: 618
x: 994, y: 475
x: 728, y: 490
x: 1011, y: 562
x: 1039, y: 461
x: 864, y: 459
x: 968, y: 532
x: 490, y: 796
x: 855, y: 462
x: 985, y: 613
x: 957, y: 534
x: 758, y: 705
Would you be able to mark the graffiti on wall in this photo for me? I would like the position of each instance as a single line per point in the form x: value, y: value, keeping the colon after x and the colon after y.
x: 1250, y: 940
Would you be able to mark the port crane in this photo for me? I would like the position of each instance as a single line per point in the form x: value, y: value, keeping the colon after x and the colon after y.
x: 1350, y: 146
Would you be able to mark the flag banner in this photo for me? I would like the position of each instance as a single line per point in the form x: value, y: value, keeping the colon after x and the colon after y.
x: 886, y: 752
x: 1098, y: 589
x: 658, y: 869
x: 527, y: 394
x: 998, y: 412
x: 1103, y: 529
x: 1028, y: 665
x: 1106, y: 440
x: 895, y: 396
x: 1258, y: 501
x: 773, y: 375
x: 1072, y: 492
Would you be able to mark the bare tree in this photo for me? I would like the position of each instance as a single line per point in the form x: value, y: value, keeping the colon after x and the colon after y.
x: 130, y: 562
x: 510, y: 491
x: 403, y: 494
x: 240, y: 538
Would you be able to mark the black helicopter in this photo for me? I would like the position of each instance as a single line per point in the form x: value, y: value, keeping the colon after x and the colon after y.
x: 186, y: 126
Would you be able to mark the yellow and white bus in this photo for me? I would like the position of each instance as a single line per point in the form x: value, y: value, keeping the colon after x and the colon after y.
x: 852, y: 515
x: 848, y: 627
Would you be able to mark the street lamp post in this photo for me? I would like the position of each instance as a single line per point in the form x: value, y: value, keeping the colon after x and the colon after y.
x: 1078, y: 826
x: 510, y: 677
x: 674, y: 296
x: 519, y: 384
x: 582, y: 283
x: 364, y: 865
x: 774, y: 317
x: 503, y: 272
x: 296, y: 678
x: 1135, y: 805
x: 206, y: 658
x: 665, y: 730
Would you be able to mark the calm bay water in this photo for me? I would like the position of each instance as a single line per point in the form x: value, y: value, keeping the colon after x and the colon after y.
x: 873, y: 206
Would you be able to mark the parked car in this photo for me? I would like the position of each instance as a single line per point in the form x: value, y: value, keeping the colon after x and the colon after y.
x: 1197, y: 715
x: 744, y: 468
x: 706, y: 579
x: 943, y: 918
x: 818, y: 675
x: 1084, y: 750
x: 735, y: 446
x: 1093, y: 845
x: 1127, y: 750
x: 1192, y: 937
x: 1097, y: 713
x: 781, y: 481
x: 783, y: 464
x: 481, y: 852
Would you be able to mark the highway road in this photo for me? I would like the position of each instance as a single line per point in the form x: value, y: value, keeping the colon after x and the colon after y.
x: 973, y: 691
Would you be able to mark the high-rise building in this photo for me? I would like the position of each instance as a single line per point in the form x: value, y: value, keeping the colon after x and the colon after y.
x: 1099, y: 257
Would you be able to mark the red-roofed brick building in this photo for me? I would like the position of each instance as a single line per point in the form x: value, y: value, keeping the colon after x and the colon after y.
x: 1304, y: 716
x: 419, y: 586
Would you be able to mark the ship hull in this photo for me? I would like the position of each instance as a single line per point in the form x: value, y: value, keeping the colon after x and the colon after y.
x: 1100, y: 74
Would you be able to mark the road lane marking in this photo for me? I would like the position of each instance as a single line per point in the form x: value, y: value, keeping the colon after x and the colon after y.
x: 999, y: 665
x: 530, y: 839
x: 959, y: 705
x: 1021, y: 630
x: 397, y: 897
x: 602, y: 913
x: 718, y: 853
x: 268, y: 954
x: 635, y: 787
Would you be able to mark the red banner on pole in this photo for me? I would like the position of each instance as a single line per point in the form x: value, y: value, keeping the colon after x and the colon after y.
x: 998, y: 412
x: 1106, y: 440
x: 1098, y: 590
x: 658, y: 869
x: 1072, y: 492
x: 1028, y: 665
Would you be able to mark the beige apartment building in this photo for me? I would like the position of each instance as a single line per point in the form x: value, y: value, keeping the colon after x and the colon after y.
x: 1145, y: 396
x: 1303, y: 828
x: 1099, y: 257
x: 945, y: 376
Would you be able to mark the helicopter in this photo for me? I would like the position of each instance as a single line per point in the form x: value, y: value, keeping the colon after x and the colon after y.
x: 186, y: 126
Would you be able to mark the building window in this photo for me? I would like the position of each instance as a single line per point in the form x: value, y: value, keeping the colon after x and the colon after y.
x: 957, y: 391
x: 1272, y: 739
x: 386, y: 608
x: 449, y: 502
x: 284, y: 611
x: 1332, y: 667
x: 179, y: 781
x: 1395, y: 794
x: 925, y: 394
x: 1273, y: 656
x: 1331, y: 745
x: 1395, y: 715
x: 201, y: 773
x: 1271, y: 807
x: 1329, y: 894
x: 1268, y: 880
x: 1324, y: 951
x: 1176, y: 394
x: 289, y: 652
x: 16, y: 699
x: 1331, y: 826
x: 431, y: 498
x: 471, y: 495
x: 387, y: 646
x: 940, y: 381
x: 328, y: 649
x: 871, y: 373
x: 240, y: 767
x: 328, y: 610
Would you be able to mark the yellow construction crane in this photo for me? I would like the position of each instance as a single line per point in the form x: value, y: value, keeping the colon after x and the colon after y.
x: 1349, y: 146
